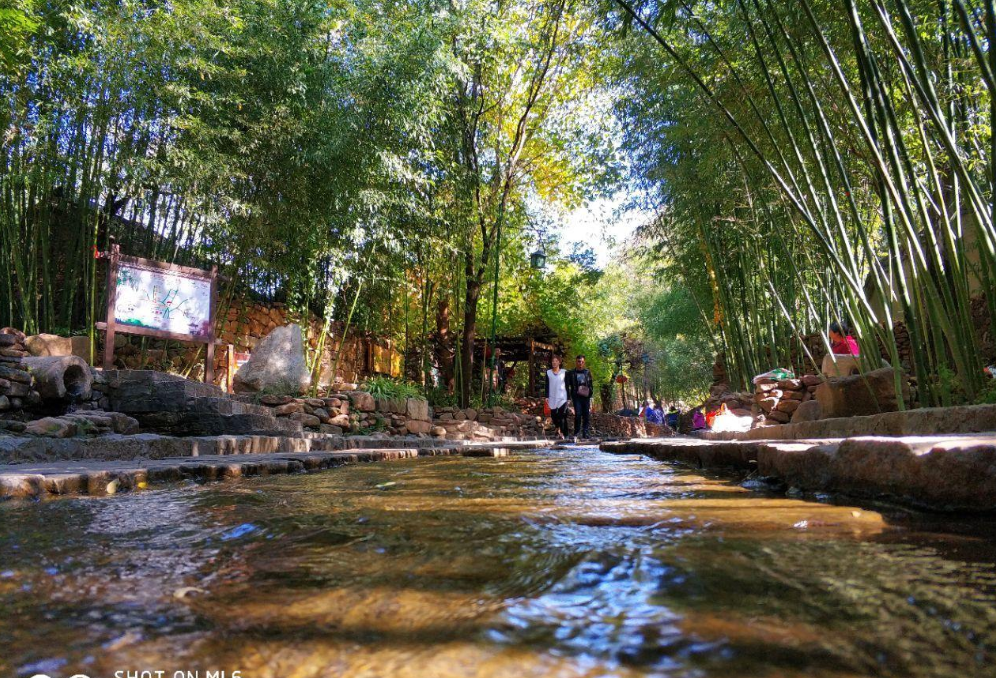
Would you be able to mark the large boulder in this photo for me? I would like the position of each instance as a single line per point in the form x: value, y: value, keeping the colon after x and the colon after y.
x: 860, y: 394
x: 54, y: 345
x: 51, y: 427
x: 417, y: 409
x: 362, y: 401
x: 277, y: 365
x: 418, y: 426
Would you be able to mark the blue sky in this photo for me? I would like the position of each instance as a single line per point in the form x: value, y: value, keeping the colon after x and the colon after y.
x: 602, y: 225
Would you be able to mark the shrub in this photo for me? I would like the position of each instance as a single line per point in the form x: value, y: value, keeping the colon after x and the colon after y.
x: 438, y: 397
x: 391, y: 389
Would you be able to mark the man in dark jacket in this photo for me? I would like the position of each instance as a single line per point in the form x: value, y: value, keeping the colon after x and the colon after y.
x: 580, y: 389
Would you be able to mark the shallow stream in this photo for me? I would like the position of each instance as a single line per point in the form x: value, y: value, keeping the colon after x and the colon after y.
x: 566, y: 562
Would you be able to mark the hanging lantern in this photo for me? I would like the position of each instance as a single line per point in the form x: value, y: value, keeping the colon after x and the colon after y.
x: 622, y: 378
x: 538, y: 259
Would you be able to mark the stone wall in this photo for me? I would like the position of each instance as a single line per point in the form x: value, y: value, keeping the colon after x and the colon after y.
x: 776, y: 401
x: 351, y: 412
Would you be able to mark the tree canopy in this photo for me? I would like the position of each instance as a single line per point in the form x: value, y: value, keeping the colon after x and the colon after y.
x: 393, y: 165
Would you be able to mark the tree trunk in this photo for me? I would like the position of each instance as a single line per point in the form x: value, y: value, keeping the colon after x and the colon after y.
x: 444, y: 344
x: 469, y: 329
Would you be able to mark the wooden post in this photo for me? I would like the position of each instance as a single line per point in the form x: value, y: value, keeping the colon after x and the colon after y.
x: 230, y: 370
x: 209, y: 367
x: 532, y: 367
x: 112, y: 288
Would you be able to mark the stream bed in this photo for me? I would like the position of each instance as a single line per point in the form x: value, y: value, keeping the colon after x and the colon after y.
x: 565, y: 562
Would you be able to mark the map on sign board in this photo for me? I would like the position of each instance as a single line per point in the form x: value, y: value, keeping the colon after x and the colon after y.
x: 161, y: 299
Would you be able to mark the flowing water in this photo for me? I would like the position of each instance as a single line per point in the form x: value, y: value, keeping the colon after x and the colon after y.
x: 565, y: 562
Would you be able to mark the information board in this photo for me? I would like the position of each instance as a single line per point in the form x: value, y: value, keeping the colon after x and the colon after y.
x: 161, y: 299
x: 156, y: 299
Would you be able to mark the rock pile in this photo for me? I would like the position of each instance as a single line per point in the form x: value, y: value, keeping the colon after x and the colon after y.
x: 489, y: 423
x: 326, y: 415
x: 22, y: 406
x: 777, y: 400
x: 16, y: 383
x: 77, y: 424
x: 861, y: 395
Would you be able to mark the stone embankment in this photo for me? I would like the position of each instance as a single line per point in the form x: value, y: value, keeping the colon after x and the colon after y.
x: 945, y: 473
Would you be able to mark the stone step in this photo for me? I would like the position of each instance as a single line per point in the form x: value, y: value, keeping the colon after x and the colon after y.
x: 18, y: 450
x: 35, y: 480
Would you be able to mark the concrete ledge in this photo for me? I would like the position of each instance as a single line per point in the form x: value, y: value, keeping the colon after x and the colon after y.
x: 926, y: 421
x: 943, y: 473
x: 32, y: 481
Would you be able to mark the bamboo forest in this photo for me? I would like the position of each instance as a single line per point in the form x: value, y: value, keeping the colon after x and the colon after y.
x: 680, y: 314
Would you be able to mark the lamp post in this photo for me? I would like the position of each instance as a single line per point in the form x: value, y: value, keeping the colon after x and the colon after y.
x: 538, y: 260
x: 622, y: 384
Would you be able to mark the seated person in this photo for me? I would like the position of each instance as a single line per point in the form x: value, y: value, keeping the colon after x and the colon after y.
x: 673, y: 418
x: 843, y: 357
x: 628, y: 412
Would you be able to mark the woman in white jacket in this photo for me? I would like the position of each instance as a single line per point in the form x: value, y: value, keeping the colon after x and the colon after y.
x: 556, y: 395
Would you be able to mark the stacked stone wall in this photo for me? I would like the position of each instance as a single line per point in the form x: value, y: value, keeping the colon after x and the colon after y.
x: 347, y: 412
x: 16, y: 383
x: 777, y: 400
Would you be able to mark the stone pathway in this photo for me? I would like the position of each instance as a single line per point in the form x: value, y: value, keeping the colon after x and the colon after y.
x: 35, y: 480
x: 945, y: 473
x: 114, y: 447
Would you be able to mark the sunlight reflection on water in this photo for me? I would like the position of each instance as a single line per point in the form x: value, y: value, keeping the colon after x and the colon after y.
x: 557, y: 563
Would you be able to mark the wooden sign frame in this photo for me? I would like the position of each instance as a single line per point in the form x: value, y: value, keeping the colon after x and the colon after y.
x: 111, y: 327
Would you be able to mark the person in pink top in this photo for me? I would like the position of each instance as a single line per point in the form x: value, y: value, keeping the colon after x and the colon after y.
x: 844, y: 350
x: 842, y: 343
